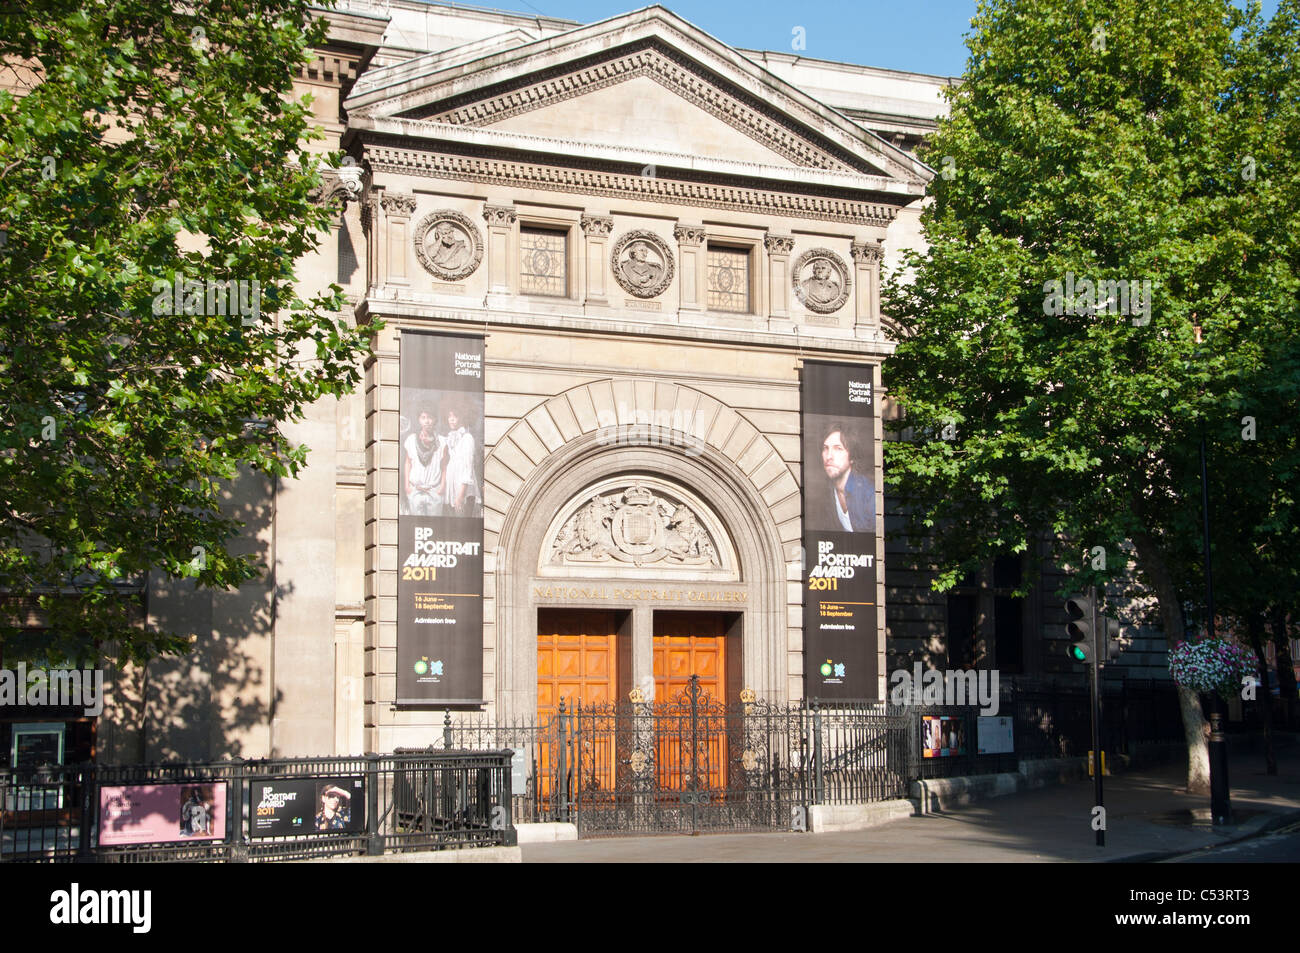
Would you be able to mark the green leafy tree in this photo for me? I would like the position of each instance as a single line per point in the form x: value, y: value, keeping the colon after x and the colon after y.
x: 150, y: 153
x: 1254, y: 456
x: 1091, y: 143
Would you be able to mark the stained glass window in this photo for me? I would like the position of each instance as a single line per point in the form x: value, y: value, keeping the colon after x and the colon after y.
x: 543, y: 262
x: 728, y: 279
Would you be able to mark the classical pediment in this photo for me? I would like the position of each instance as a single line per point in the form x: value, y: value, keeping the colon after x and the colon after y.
x: 647, y: 81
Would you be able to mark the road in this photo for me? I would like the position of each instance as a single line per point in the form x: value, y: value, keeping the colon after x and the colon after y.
x: 1280, y: 847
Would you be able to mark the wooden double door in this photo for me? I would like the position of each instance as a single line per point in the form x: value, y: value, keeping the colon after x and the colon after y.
x: 584, y: 658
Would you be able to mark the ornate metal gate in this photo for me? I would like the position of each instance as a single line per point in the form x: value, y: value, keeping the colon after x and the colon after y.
x: 688, y: 764
x: 692, y: 763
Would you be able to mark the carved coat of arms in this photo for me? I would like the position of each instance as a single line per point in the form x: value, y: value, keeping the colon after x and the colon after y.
x: 634, y: 526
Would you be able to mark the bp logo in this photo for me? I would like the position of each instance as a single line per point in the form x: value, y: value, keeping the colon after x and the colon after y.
x: 827, y: 668
x: 830, y: 668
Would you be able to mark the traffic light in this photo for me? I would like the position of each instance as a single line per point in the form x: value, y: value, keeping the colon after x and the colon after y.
x: 1079, y: 628
x: 1110, y: 630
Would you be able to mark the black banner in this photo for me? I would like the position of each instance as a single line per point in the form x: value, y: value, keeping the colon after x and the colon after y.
x: 308, y: 806
x: 440, y: 521
x: 840, y: 526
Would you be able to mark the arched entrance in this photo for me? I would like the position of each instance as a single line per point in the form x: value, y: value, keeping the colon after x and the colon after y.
x: 611, y: 555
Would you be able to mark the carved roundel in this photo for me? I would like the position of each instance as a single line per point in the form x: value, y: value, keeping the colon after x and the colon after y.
x: 448, y: 244
x: 643, y: 263
x: 821, y: 280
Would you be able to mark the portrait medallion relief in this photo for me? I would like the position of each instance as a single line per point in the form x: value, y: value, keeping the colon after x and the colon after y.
x: 448, y: 245
x: 643, y: 263
x: 821, y: 280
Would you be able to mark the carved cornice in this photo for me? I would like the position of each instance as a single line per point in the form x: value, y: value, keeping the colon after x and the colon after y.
x: 597, y: 226
x: 336, y: 190
x: 779, y: 244
x: 689, y: 234
x: 672, y: 70
x: 499, y: 214
x: 341, y: 70
x: 592, y: 178
x: 397, y: 203
x: 870, y: 252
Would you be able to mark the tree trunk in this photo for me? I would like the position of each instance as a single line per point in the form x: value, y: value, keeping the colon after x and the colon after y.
x: 1285, y: 670
x: 1152, y: 565
x: 1263, y: 697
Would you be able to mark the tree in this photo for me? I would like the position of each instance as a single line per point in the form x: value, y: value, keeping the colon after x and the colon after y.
x: 1112, y: 178
x: 155, y: 193
x: 1254, y: 454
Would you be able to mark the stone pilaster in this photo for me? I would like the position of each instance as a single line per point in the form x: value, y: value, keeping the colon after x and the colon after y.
x: 596, y: 230
x: 501, y: 264
x: 691, y: 253
x: 866, y: 265
x: 779, y: 248
x: 398, y: 208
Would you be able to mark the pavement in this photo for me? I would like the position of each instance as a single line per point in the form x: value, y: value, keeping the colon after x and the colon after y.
x: 1148, y: 818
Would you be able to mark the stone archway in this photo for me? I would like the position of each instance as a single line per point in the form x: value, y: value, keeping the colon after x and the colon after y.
x: 736, y: 474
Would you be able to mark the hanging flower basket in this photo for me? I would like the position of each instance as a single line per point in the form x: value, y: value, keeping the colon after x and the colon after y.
x: 1210, y: 666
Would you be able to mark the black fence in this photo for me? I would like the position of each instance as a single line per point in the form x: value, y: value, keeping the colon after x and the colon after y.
x: 1048, y: 719
x: 687, y: 764
x: 284, y: 809
x: 692, y: 763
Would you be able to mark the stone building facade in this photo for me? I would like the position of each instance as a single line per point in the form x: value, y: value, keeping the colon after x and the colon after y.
x: 630, y: 214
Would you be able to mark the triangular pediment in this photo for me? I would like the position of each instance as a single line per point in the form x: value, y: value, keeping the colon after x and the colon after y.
x: 646, y: 80
x: 640, y: 110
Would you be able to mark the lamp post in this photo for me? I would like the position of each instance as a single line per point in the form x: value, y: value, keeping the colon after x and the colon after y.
x: 1220, y: 801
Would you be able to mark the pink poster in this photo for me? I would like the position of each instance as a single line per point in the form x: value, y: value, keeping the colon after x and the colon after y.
x: 162, y: 813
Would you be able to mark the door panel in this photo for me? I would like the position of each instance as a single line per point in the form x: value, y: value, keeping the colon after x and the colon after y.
x: 686, y: 644
x: 576, y: 658
x: 577, y: 661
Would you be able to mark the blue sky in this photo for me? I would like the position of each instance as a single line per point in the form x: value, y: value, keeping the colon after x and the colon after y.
x: 924, y: 36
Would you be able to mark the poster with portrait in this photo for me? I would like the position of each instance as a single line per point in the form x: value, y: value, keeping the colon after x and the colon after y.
x: 840, y: 527
x: 308, y: 806
x: 162, y: 813
x: 440, y: 520
x: 942, y: 736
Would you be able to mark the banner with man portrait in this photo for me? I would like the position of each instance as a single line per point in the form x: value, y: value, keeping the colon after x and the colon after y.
x: 440, y: 520
x: 840, y: 528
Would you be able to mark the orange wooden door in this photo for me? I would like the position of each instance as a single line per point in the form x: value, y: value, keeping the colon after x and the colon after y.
x: 577, y: 661
x: 686, y: 644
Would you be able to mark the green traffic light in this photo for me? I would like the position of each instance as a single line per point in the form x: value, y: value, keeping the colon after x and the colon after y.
x: 1078, y: 652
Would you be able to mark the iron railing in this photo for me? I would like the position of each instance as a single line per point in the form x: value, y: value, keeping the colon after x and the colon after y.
x: 687, y: 764
x: 693, y: 763
x: 257, y: 810
x: 1051, y: 719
